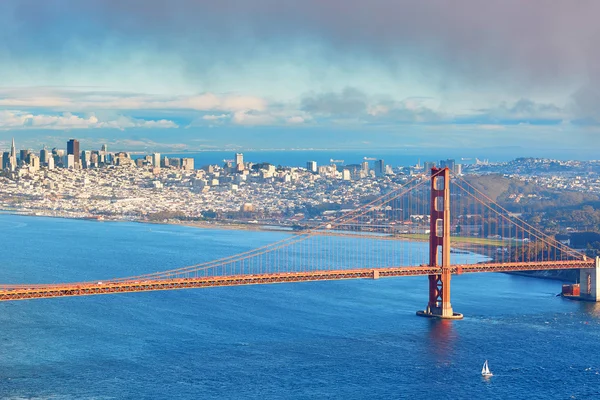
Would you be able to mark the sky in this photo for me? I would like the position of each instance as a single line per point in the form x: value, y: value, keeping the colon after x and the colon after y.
x: 177, y: 75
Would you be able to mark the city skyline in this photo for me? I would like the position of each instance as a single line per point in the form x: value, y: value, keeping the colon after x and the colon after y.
x: 300, y: 75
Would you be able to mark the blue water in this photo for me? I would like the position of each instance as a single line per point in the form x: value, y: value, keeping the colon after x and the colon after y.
x: 393, y: 157
x: 298, y: 158
x: 345, y: 339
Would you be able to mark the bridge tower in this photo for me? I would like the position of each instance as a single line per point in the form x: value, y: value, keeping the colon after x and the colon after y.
x: 439, y: 248
x: 589, y: 281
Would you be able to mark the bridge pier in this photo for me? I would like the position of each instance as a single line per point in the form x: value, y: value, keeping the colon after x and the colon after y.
x: 589, y: 281
x: 439, y: 305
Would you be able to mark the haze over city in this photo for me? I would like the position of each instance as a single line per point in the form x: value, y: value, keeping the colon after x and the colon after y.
x: 193, y: 75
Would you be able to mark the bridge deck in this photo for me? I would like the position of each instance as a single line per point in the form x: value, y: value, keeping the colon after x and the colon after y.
x: 24, y: 292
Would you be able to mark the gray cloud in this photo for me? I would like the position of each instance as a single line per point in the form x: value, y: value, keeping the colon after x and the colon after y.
x: 513, y: 48
x: 350, y: 102
x: 537, y: 42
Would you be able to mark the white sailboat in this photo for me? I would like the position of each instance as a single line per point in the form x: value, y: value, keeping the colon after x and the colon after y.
x: 485, y: 371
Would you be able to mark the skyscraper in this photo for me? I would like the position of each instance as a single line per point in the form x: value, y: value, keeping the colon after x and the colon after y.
x: 156, y: 160
x: 187, y: 164
x: 86, y: 157
x: 73, y: 149
x: 379, y: 168
x: 311, y: 166
x: 428, y: 165
x: 24, y: 157
x: 239, y: 158
x: 44, y: 156
x: 13, y: 150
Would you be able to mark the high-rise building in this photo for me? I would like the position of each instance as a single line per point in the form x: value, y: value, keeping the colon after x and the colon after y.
x: 346, y: 174
x: 86, y: 157
x: 156, y: 159
x: 2, y: 156
x: 427, y: 166
x: 94, y: 159
x: 70, y: 158
x: 73, y: 149
x: 58, y: 152
x: 24, y: 157
x: 379, y: 168
x: 451, y: 164
x: 34, y: 162
x: 187, y: 164
x: 239, y: 158
x: 51, y: 163
x: 44, y: 156
x: 103, y: 157
x: 311, y: 166
x: 174, y: 162
x: 365, y: 166
x: 13, y: 150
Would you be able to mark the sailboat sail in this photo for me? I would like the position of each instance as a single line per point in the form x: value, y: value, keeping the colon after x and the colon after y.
x: 485, y: 371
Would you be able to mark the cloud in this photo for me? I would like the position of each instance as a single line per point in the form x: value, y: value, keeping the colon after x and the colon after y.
x: 250, y: 118
x: 349, y: 102
x: 214, y: 117
x: 296, y: 120
x: 81, y: 100
x: 352, y: 104
x: 523, y: 111
x: 491, y: 42
x: 66, y: 121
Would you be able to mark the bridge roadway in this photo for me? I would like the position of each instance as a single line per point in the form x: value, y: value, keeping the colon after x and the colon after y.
x: 39, y: 291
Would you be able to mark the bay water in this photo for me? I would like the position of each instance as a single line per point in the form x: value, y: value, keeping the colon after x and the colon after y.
x: 354, y: 339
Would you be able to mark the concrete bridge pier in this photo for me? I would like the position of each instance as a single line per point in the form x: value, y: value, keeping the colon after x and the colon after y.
x: 589, y: 281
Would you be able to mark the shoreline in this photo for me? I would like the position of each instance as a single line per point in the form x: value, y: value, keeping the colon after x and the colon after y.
x: 192, y: 224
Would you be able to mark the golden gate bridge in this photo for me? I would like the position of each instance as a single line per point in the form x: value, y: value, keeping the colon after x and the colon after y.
x: 383, y: 238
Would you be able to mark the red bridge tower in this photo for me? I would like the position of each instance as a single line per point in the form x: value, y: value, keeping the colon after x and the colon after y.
x: 439, y: 247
